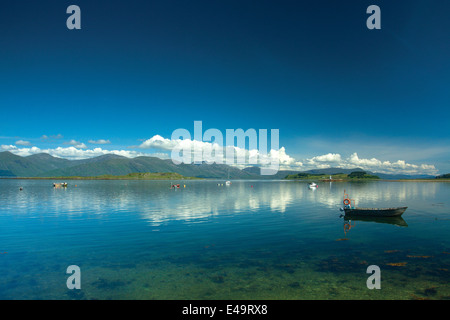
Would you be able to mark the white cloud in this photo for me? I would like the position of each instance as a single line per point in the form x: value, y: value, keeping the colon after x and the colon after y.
x: 159, y: 142
x: 58, y: 136
x: 10, y: 147
x: 288, y: 162
x: 356, y: 161
x: 324, y: 161
x: 100, y: 141
x: 213, y: 152
x: 72, y: 153
x: 373, y: 164
x: 23, y: 143
x: 76, y: 144
x: 427, y: 167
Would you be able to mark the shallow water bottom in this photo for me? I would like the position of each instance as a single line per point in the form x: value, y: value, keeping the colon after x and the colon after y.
x: 260, y: 275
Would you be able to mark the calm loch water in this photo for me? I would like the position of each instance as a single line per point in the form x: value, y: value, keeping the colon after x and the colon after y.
x: 250, y: 240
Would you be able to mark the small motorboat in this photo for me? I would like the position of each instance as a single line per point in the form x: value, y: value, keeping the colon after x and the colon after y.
x: 351, y: 210
x: 60, y: 185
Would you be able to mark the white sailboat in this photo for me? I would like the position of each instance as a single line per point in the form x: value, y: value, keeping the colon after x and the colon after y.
x: 312, y: 185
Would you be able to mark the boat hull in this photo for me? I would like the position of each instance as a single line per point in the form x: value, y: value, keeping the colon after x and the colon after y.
x: 375, y: 212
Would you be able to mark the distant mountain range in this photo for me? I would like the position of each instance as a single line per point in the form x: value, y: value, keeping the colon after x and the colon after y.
x: 45, y: 165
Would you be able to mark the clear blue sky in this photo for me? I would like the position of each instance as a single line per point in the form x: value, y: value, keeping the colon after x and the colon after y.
x: 308, y: 68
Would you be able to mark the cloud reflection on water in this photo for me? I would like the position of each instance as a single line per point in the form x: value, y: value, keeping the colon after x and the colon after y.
x: 155, y: 202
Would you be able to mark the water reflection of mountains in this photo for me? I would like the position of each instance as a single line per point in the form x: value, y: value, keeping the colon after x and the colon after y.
x: 156, y: 202
x: 278, y: 196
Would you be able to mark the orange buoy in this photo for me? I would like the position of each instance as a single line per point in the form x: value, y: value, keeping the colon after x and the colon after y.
x: 346, y: 202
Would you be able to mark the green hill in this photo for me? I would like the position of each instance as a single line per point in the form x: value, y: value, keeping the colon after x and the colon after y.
x: 124, y: 166
x: 361, y: 175
x: 355, y: 175
x: 132, y: 176
x: 12, y: 165
x: 44, y: 165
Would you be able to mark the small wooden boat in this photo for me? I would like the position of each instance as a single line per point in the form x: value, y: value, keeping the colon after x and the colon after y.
x: 350, y: 209
x: 375, y: 212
